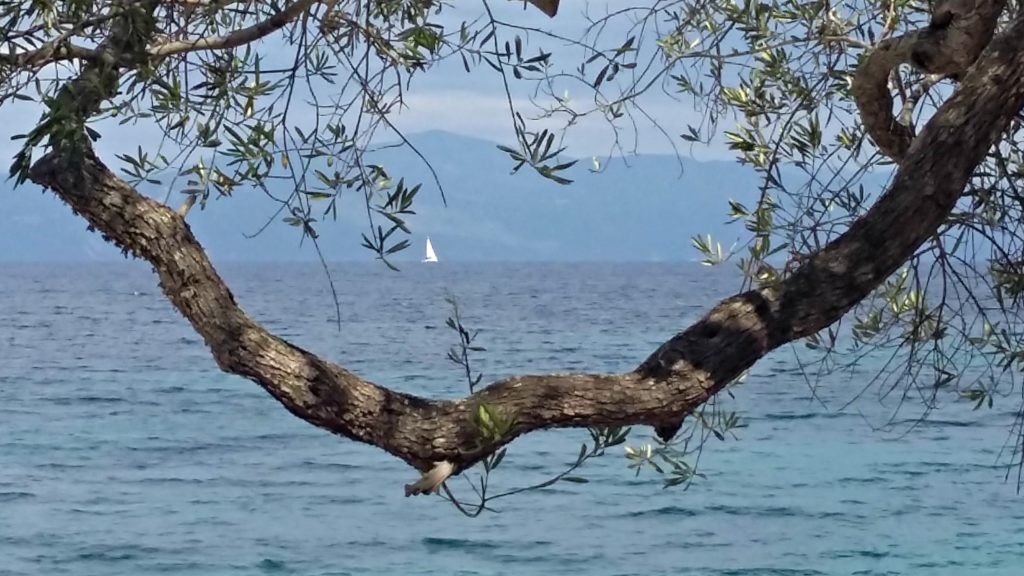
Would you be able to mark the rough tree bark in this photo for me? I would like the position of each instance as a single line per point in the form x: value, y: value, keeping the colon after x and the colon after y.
x: 680, y: 375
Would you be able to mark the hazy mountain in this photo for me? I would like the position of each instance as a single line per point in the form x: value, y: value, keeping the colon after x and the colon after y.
x: 647, y: 210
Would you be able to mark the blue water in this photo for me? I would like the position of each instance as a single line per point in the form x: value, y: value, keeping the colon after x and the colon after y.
x: 123, y: 451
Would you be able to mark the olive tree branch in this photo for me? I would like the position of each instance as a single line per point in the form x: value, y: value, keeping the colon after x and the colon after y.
x: 445, y: 437
x: 247, y: 35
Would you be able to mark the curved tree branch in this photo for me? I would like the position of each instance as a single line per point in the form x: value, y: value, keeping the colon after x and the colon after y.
x: 676, y: 379
x: 239, y: 37
x: 61, y: 49
x: 56, y: 51
x: 958, y: 32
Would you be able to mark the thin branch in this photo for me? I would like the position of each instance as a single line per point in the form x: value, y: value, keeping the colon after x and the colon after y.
x: 238, y: 37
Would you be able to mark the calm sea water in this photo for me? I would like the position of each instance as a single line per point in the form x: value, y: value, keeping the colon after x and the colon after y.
x: 123, y: 451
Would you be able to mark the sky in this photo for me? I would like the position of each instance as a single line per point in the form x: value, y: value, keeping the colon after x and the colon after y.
x: 475, y: 104
x: 447, y: 98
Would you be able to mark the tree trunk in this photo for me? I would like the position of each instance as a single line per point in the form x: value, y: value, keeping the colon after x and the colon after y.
x: 676, y: 379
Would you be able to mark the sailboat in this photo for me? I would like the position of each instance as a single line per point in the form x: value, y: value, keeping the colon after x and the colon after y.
x: 430, y: 256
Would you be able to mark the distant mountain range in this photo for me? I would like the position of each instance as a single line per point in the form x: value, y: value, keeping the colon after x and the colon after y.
x: 646, y: 211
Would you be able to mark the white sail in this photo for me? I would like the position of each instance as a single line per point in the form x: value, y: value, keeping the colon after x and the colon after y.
x: 431, y: 256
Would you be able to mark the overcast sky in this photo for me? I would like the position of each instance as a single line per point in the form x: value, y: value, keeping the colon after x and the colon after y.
x: 447, y: 98
x: 475, y: 104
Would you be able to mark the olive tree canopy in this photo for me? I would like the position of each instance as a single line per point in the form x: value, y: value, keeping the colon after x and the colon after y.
x: 246, y: 93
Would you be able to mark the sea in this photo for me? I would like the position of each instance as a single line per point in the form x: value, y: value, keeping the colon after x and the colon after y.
x: 125, y: 452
